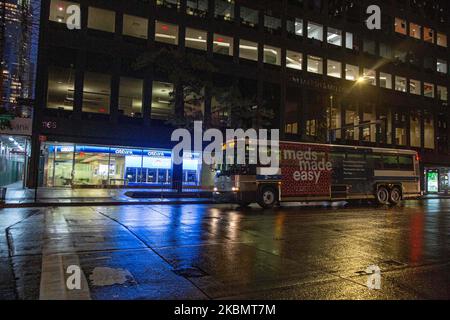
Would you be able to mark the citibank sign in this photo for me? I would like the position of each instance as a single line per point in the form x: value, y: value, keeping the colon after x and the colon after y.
x: 124, y: 152
x: 155, y: 153
x: 118, y: 151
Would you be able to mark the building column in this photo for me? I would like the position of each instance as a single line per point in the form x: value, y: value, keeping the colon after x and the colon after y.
x: 79, y: 83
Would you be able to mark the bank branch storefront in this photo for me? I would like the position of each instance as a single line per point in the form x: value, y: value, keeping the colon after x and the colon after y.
x: 84, y: 166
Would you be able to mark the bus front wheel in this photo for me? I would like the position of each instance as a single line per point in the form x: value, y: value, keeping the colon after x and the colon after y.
x: 267, y: 197
x: 383, y: 196
x: 395, y: 196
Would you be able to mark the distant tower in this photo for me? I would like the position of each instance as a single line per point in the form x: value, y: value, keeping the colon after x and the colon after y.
x: 18, y: 37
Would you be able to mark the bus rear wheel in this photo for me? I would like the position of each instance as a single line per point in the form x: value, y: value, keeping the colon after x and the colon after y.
x: 267, y: 197
x: 383, y: 196
x: 395, y: 196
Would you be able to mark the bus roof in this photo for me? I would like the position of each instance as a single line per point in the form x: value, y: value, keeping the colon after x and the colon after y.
x: 374, y: 149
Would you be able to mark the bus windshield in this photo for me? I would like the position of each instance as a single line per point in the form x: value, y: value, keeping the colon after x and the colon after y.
x: 229, y: 166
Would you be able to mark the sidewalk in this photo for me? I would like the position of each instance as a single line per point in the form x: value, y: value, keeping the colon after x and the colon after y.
x: 436, y: 196
x: 78, y: 197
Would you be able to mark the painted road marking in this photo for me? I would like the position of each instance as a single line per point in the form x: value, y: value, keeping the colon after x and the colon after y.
x: 54, y: 266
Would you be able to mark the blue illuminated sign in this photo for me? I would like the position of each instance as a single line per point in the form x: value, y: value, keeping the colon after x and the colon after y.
x: 118, y: 151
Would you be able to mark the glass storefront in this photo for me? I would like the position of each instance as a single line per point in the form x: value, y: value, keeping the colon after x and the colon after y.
x: 68, y: 165
x: 14, y: 157
x: 437, y: 180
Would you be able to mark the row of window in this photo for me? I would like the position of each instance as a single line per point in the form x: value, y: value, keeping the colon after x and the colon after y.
x: 133, y: 26
x: 421, y: 33
x: 347, y: 123
x: 97, y: 94
x: 224, y: 9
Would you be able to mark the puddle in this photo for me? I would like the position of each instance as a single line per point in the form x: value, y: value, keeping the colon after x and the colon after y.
x: 103, y: 276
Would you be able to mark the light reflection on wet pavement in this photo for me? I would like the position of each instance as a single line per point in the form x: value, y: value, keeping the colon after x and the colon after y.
x: 221, y: 252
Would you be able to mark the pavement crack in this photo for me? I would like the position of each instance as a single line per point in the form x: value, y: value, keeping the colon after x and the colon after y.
x: 10, y: 244
x: 150, y: 248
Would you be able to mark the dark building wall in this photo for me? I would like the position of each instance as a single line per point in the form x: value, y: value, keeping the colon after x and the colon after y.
x: 311, y: 98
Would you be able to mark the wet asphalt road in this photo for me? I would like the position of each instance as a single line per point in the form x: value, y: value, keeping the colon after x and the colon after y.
x: 220, y: 252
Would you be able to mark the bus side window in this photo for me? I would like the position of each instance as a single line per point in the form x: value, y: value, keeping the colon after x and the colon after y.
x: 355, y: 156
x: 390, y: 162
x: 406, y: 163
x: 337, y: 157
x: 375, y: 161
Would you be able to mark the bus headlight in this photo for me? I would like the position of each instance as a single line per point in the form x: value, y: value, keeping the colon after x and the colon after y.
x: 235, y: 189
x: 215, y: 189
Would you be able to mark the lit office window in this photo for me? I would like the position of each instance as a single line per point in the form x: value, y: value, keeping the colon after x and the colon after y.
x: 60, y: 92
x: 442, y: 40
x: 400, y: 26
x: 58, y: 10
x: 428, y: 90
x: 315, y: 31
x: 351, y: 121
x: 428, y: 35
x: 162, y: 106
x: 311, y: 127
x: 334, y: 37
x: 315, y: 64
x: 442, y: 93
x: 400, y: 84
x: 295, y: 27
x: 249, y: 17
x: 169, y: 4
x: 291, y: 128
x: 96, y: 92
x: 224, y: 10
x: 272, y: 55
x: 223, y: 45
x: 351, y: 72
x: 166, y: 32
x: 197, y: 8
x: 415, y: 31
x: 272, y: 25
x: 130, y: 97
x: 135, y: 26
x: 441, y: 66
x: 101, y: 19
x: 385, y: 80
x: 415, y: 87
x: 334, y: 69
x: 196, y: 39
x: 349, y: 40
x: 248, y: 50
x: 294, y: 60
x: 370, y: 76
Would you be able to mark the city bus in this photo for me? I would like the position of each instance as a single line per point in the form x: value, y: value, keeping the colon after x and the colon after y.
x: 311, y: 172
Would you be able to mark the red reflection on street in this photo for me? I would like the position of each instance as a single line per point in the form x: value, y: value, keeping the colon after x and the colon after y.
x: 416, y: 237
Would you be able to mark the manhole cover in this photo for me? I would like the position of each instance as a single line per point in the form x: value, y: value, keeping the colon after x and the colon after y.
x: 191, y: 272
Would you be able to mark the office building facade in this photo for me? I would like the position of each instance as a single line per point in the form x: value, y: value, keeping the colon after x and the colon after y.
x: 325, y: 75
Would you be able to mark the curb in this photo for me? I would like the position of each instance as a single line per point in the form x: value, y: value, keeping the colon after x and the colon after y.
x: 105, y: 203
